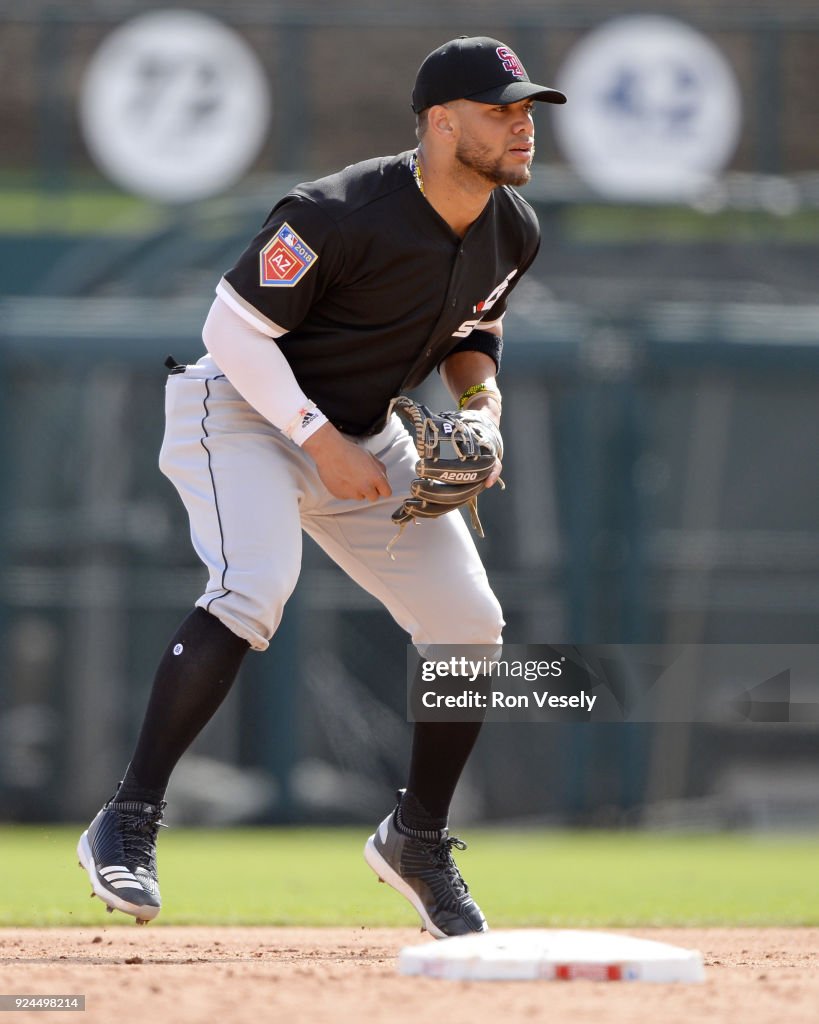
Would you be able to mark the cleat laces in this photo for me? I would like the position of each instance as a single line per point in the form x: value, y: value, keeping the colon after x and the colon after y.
x: 442, y: 854
x: 139, y: 834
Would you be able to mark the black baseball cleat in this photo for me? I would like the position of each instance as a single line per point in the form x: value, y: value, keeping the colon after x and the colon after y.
x: 118, y: 850
x: 424, y: 872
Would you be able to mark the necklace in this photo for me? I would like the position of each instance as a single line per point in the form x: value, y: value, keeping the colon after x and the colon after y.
x: 415, y: 167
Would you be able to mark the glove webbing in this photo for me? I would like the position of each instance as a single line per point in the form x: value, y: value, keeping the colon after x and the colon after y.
x: 472, y: 505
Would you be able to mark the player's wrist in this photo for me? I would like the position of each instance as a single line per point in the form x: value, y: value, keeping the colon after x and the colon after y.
x: 475, y: 396
x: 323, y: 440
x: 307, y: 421
x: 486, y: 406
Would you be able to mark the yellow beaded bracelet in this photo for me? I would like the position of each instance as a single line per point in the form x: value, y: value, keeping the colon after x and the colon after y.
x: 476, y: 389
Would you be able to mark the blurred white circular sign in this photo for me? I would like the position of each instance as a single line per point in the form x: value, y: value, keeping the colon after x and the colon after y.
x: 654, y: 109
x: 174, y: 106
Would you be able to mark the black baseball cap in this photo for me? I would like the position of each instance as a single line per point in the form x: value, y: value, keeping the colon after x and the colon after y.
x: 476, y: 68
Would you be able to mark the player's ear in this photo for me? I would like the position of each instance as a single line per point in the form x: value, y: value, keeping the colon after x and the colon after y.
x: 440, y: 120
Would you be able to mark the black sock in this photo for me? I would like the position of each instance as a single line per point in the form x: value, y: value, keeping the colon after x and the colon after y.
x: 194, y: 676
x: 439, y: 753
x: 132, y: 788
x: 413, y: 819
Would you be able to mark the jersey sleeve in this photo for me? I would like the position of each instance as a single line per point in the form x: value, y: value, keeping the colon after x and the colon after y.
x: 286, y: 268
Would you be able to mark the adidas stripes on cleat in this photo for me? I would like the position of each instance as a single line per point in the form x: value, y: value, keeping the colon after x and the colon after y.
x: 118, y: 850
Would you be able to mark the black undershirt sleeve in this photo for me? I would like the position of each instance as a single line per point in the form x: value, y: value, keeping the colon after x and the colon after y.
x: 480, y: 341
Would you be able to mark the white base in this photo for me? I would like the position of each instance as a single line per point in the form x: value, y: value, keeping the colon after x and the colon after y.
x: 552, y: 955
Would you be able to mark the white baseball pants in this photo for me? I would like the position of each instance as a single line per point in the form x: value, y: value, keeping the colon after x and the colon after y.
x: 250, y: 491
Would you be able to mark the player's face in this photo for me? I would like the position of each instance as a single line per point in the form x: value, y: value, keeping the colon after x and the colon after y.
x: 496, y: 142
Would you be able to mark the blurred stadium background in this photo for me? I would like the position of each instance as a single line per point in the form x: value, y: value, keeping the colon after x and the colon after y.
x: 660, y: 372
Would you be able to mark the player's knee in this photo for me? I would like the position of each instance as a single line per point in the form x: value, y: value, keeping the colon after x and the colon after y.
x: 252, y: 611
x: 483, y: 620
x: 267, y: 608
x: 477, y: 618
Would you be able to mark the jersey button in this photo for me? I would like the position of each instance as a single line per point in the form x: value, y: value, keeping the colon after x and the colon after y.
x: 454, y: 303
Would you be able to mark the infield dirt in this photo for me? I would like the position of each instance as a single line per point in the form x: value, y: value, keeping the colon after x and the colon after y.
x: 340, y: 975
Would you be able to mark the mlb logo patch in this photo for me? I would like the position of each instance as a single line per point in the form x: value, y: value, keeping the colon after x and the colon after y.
x: 285, y: 259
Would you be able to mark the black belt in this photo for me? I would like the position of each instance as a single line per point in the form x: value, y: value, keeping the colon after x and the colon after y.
x: 174, y: 366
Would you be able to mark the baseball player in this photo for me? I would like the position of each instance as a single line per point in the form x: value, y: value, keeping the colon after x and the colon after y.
x: 356, y: 288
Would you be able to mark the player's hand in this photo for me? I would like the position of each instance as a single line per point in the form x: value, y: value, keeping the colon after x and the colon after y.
x: 346, y: 470
x: 494, y: 476
x: 489, y: 408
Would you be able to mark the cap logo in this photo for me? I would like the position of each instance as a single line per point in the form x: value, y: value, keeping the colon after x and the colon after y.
x: 510, y: 62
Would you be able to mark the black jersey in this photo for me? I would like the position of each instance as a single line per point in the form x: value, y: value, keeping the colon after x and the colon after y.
x: 367, y: 289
